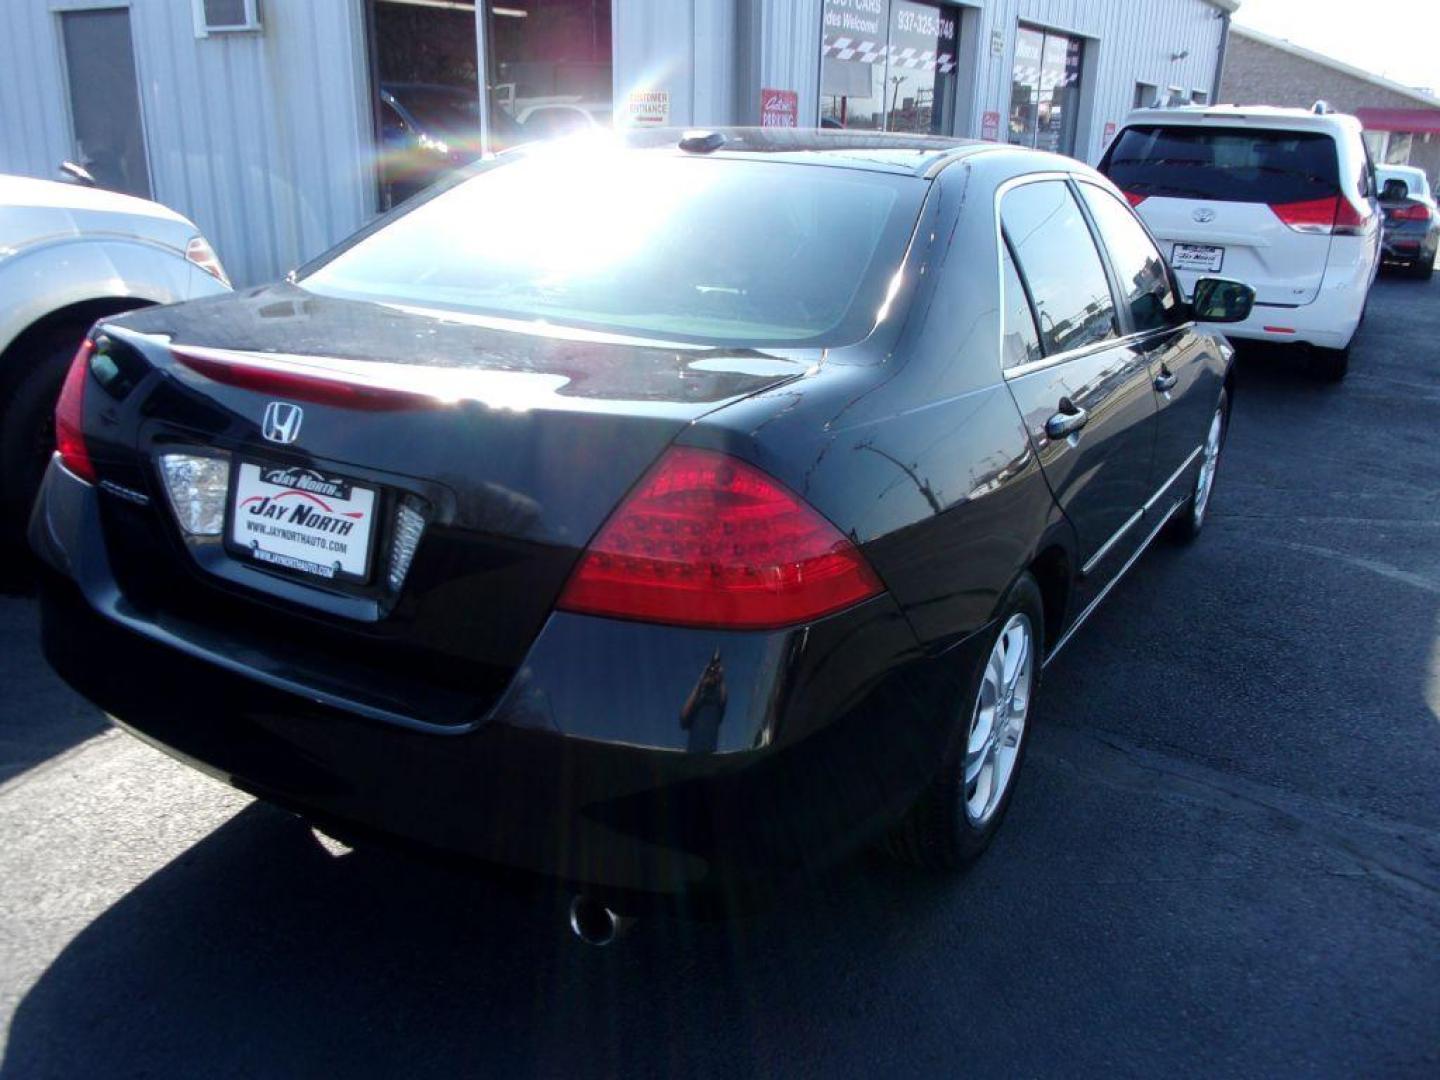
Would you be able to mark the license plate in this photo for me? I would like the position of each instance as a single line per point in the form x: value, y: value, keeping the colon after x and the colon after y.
x: 300, y: 519
x: 1197, y: 257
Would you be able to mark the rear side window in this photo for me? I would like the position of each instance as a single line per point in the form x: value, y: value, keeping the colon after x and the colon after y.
x: 1022, y: 343
x: 1056, y: 253
x: 1224, y: 164
x: 1137, y: 263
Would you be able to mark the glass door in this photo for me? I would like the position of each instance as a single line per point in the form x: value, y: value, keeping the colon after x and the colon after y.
x: 1045, y: 90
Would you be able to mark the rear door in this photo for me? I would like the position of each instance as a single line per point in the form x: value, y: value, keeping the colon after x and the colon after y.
x: 1256, y: 204
x: 1084, y: 393
x: 1186, y: 385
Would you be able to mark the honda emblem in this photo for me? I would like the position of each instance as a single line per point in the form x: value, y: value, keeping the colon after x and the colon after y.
x: 282, y: 422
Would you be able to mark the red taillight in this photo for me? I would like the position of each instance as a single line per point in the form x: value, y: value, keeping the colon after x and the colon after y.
x: 70, y: 415
x: 1311, y: 215
x: 1350, y: 220
x: 708, y: 540
x: 1335, y: 215
x: 1135, y: 198
x: 1413, y: 212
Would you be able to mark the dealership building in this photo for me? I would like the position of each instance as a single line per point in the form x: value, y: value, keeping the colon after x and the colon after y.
x: 280, y: 126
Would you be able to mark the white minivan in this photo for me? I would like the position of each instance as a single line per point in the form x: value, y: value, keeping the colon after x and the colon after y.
x: 1281, y: 199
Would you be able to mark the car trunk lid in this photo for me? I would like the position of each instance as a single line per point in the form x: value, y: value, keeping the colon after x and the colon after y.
x: 512, y: 447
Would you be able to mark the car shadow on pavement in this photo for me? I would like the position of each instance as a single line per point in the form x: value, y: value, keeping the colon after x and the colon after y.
x: 39, y: 715
x: 260, y: 952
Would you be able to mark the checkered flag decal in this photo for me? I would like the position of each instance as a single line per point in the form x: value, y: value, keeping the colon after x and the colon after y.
x: 873, y: 52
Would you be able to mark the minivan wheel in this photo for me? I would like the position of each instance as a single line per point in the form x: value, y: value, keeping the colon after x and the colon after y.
x: 1330, y: 365
x: 956, y: 817
x: 1190, y: 519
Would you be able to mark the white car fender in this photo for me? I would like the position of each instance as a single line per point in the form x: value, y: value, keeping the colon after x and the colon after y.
x: 53, y: 273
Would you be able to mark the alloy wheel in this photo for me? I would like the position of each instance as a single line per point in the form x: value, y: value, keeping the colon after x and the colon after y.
x: 1210, y: 461
x: 997, y: 725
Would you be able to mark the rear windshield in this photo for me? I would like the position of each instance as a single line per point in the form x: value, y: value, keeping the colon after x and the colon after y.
x: 1224, y: 164
x: 713, y: 251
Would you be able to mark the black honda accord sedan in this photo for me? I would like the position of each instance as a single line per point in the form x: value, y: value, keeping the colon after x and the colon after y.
x: 666, y: 518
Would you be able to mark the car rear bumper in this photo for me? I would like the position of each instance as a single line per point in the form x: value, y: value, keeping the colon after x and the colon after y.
x: 1405, y: 245
x: 593, y: 768
x: 1329, y: 322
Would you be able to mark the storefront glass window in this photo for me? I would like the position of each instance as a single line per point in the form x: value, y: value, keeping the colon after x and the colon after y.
x: 889, y: 65
x: 1045, y: 90
x: 549, y: 74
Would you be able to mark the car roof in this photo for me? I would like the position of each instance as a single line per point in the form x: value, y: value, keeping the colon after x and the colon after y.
x: 871, y: 151
x: 1259, y: 116
x: 1404, y: 170
x: 25, y: 191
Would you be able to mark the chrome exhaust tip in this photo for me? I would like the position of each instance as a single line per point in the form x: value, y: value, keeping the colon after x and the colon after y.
x: 594, y: 923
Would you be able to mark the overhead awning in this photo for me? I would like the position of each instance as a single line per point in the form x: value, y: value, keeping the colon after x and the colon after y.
x: 1418, y: 121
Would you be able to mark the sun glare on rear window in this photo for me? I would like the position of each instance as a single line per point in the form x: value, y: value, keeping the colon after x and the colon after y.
x: 713, y: 251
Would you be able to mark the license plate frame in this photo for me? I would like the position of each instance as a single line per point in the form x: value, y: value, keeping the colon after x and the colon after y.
x: 1188, y: 257
x: 334, y: 497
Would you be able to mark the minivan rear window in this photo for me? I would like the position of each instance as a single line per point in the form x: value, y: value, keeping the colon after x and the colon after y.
x: 1224, y: 164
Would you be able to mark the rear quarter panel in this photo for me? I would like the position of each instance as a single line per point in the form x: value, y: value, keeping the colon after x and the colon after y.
x: 911, y: 443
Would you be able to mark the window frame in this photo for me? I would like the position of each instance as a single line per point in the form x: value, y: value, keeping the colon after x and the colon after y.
x: 1116, y: 284
x: 1128, y: 337
x: 1047, y: 355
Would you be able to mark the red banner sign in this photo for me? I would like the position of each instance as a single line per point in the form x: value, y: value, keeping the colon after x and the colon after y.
x: 779, y: 108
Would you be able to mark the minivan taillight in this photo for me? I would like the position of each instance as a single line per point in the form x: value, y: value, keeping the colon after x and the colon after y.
x: 1134, y: 197
x: 70, y: 415
x: 1334, y: 215
x: 709, y: 540
x: 1311, y: 215
x: 1350, y: 220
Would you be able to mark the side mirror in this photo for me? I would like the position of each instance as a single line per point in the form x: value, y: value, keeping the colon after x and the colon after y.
x: 1221, y: 300
x: 76, y: 174
x: 1395, y: 191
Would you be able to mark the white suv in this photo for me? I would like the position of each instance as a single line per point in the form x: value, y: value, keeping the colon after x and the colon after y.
x: 1281, y: 199
x: 69, y: 255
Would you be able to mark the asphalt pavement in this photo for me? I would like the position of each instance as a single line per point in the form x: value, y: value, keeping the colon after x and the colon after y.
x: 1223, y: 857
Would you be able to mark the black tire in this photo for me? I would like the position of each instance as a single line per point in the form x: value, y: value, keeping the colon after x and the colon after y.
x: 1424, y: 269
x: 938, y: 833
x: 1188, y: 523
x: 1330, y: 365
x: 27, y: 431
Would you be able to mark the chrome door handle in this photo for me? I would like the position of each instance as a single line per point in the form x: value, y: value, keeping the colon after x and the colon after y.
x: 1066, y: 421
x: 1166, y: 380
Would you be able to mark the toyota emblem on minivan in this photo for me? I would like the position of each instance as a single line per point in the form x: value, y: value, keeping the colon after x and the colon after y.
x: 282, y: 422
x: 1204, y: 215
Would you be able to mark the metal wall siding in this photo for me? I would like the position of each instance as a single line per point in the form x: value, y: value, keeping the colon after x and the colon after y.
x: 652, y: 47
x: 265, y: 139
x: 790, y: 53
x: 262, y: 139
x: 715, y: 42
x: 1130, y: 42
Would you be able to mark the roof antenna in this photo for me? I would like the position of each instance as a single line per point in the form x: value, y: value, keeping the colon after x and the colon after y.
x: 1321, y: 108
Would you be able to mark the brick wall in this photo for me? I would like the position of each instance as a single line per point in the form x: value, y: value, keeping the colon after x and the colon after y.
x: 1259, y: 74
